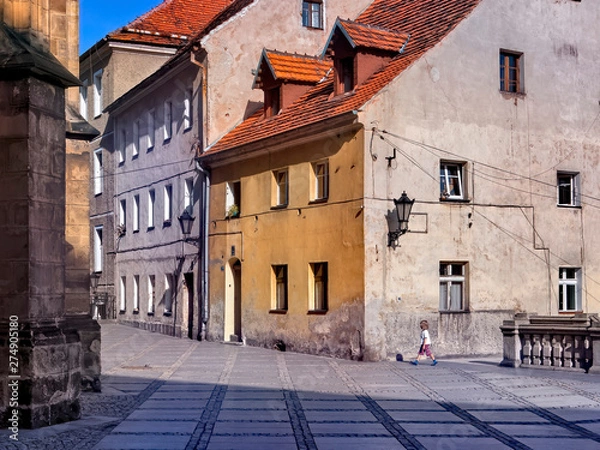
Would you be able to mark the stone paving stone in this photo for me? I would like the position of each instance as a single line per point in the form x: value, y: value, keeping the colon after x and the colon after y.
x: 253, y: 404
x: 170, y: 404
x: 336, y: 416
x: 242, y: 394
x: 156, y: 427
x: 166, y: 414
x: 142, y: 442
x: 255, y: 414
x: 424, y: 416
x: 170, y: 386
x: 343, y: 428
x: 545, y: 443
x: 462, y: 443
x: 253, y: 428
x: 417, y: 405
x: 538, y: 430
x: 564, y: 401
x: 357, y: 443
x: 478, y: 404
x: 332, y: 405
x: 441, y: 429
x: 499, y: 416
x: 577, y: 414
x: 256, y: 443
x: 181, y: 395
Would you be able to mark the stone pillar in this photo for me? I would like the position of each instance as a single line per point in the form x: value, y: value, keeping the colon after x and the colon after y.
x: 595, y: 346
x: 39, y: 351
x: 512, y: 340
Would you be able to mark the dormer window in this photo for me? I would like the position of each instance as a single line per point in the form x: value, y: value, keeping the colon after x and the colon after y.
x: 347, y: 74
x: 272, y: 101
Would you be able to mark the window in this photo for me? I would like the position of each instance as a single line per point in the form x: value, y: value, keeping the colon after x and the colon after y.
x: 168, y: 205
x: 321, y: 180
x: 98, y: 249
x: 511, y: 71
x: 272, y: 101
x: 136, y: 213
x: 151, y: 293
x: 98, y: 172
x: 319, y: 286
x: 233, y: 199
x: 187, y: 110
x: 569, y: 290
x: 83, y: 99
x: 281, y: 188
x: 122, y: 217
x: 168, y: 294
x: 168, y: 125
x: 123, y: 147
x: 151, y: 130
x: 347, y: 74
x: 453, y: 286
x: 136, y: 139
x: 452, y: 181
x: 280, y: 279
x: 188, y: 190
x: 568, y: 189
x: 151, y: 208
x: 98, y: 93
x: 123, y: 294
x: 312, y: 14
x: 136, y: 293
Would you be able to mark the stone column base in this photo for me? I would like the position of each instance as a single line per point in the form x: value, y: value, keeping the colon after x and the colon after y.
x: 88, y: 330
x: 42, y: 386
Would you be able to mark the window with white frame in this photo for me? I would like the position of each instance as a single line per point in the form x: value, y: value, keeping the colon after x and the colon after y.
x: 98, y: 172
x: 123, y: 294
x: 98, y: 249
x: 321, y: 180
x: 233, y: 199
x: 151, y: 208
x: 168, y: 293
x: 312, y: 14
x: 122, y: 217
x: 151, y: 293
x: 568, y: 187
x: 452, y: 181
x: 135, y: 145
x: 151, y: 130
x: 98, y: 107
x: 453, y: 291
x: 136, y: 213
x: 123, y: 146
x: 188, y: 190
x: 319, y: 281
x: 83, y: 99
x: 187, y: 110
x: 280, y: 287
x: 569, y: 289
x: 168, y: 121
x: 168, y: 204
x: 281, y: 187
x: 136, y: 293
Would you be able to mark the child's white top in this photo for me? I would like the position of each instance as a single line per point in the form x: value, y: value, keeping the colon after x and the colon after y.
x: 425, y: 337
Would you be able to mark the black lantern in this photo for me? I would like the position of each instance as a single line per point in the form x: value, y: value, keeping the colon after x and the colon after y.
x: 186, y: 220
x: 94, y: 278
x: 403, y: 207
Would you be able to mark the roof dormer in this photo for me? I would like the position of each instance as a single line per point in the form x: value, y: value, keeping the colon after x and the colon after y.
x: 358, y: 51
x: 284, y: 77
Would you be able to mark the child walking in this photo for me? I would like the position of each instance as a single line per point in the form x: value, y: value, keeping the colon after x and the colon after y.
x: 425, y: 348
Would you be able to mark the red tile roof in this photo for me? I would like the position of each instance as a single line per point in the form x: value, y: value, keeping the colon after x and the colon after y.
x: 367, y: 36
x: 292, y: 67
x: 427, y: 22
x: 171, y: 23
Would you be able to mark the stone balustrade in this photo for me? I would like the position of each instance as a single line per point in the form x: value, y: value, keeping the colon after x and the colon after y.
x: 555, y: 342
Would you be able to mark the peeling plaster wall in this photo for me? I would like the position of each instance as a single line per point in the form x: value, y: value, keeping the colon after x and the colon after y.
x: 298, y: 235
x: 511, y: 233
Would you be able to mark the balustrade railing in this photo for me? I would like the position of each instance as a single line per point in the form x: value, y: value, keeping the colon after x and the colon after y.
x: 566, y: 342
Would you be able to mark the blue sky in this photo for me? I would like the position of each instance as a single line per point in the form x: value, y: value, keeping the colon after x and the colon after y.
x: 100, y: 17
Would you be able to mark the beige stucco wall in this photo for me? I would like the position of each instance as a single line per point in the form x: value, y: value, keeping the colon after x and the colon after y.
x: 511, y: 233
x: 234, y: 51
x: 298, y: 235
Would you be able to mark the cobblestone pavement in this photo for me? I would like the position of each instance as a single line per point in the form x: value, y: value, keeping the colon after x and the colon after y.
x: 167, y: 393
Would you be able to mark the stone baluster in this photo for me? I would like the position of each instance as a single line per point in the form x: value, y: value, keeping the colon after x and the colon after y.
x: 577, y: 351
x: 536, y: 351
x: 587, y: 350
x: 526, y: 350
x: 568, y: 351
x: 557, y: 350
x: 546, y: 350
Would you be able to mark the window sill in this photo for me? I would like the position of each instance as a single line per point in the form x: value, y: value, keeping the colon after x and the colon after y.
x: 559, y: 205
x: 454, y: 200
x: 150, y: 313
x: 149, y: 149
x: 318, y: 200
x: 167, y: 314
x: 150, y: 228
x: 509, y: 94
x: 134, y: 157
x: 122, y: 311
x: 121, y: 163
x: 276, y: 207
x: 317, y: 312
x: 166, y: 223
x: 278, y: 311
x: 465, y: 311
x: 570, y: 313
x: 136, y: 311
x: 136, y: 231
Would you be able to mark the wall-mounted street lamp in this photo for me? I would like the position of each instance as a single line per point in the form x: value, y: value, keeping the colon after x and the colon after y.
x: 186, y: 220
x: 403, y: 207
x: 94, y: 278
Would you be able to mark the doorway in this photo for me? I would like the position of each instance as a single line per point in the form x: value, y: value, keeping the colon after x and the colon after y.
x: 189, y: 283
x: 233, y: 301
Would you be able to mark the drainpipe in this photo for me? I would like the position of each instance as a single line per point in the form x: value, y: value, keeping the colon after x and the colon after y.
x: 205, y: 173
